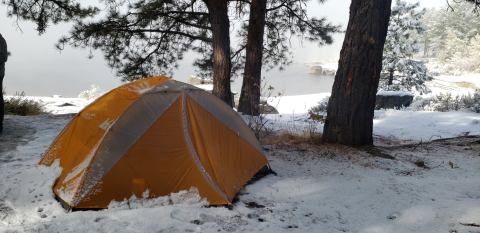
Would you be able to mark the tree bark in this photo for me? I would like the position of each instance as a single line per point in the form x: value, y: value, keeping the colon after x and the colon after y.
x: 2, y: 103
x: 218, y: 14
x: 390, y: 77
x: 3, y: 59
x: 351, y: 106
x: 250, y: 96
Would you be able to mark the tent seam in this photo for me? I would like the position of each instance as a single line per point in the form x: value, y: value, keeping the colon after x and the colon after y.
x: 87, y: 170
x: 243, y: 137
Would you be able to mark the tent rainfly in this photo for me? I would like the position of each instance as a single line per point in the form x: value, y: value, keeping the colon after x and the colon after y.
x: 153, y: 134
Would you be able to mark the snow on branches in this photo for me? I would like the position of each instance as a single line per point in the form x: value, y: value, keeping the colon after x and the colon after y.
x: 400, y: 71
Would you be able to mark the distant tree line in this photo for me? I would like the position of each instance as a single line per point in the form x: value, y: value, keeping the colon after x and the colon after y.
x: 452, y: 38
x: 476, y: 2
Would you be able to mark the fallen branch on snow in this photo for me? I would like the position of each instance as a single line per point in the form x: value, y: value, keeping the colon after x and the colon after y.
x: 470, y: 224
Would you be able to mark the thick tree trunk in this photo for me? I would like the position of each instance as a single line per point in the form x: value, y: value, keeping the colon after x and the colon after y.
x: 250, y: 95
x: 3, y: 59
x: 351, y: 106
x: 218, y: 11
x: 2, y: 103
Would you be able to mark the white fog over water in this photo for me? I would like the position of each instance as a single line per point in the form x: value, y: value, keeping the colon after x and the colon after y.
x: 37, y: 68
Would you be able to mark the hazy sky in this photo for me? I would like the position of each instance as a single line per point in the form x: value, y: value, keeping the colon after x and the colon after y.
x: 37, y: 68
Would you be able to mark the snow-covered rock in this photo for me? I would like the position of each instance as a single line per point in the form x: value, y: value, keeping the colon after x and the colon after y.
x: 393, y: 99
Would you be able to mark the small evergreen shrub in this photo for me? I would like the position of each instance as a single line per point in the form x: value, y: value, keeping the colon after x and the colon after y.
x: 446, y: 103
x: 474, y: 102
x: 318, y: 112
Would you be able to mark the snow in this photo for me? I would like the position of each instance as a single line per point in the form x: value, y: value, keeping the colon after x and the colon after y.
x: 296, y: 104
x: 59, y: 105
x: 319, y: 188
x: 68, y: 193
x: 94, y: 92
x: 327, y: 65
x: 141, y: 88
x: 425, y: 126
x: 398, y: 125
x: 394, y: 93
x: 190, y: 198
x: 455, y: 85
x: 325, y: 188
x: 469, y: 78
x: 330, y: 65
x: 206, y: 87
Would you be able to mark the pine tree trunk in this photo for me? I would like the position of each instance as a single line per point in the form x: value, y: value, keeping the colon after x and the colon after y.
x: 351, y: 106
x: 2, y: 103
x: 390, y: 77
x: 425, y: 47
x: 250, y: 96
x: 218, y: 14
x: 3, y: 59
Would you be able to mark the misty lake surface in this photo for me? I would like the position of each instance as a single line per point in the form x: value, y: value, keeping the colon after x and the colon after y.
x: 294, y: 80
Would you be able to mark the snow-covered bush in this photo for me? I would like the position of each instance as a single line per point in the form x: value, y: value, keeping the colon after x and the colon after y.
x: 400, y: 71
x: 92, y: 93
x: 420, y: 103
x: 445, y: 102
x: 472, y: 102
x: 260, y: 125
x: 21, y: 105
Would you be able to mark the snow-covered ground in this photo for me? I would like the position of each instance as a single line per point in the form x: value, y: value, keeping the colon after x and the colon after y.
x: 324, y: 188
x: 425, y: 126
x: 396, y: 125
x: 430, y: 186
x: 298, y: 104
x: 393, y: 124
x: 465, y: 78
x: 456, y: 85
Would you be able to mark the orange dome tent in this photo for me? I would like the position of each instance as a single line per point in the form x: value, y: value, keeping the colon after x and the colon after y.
x: 154, y: 134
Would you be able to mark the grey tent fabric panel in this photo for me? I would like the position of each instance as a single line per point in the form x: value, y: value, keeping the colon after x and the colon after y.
x: 124, y: 133
x: 172, y: 86
x: 224, y: 113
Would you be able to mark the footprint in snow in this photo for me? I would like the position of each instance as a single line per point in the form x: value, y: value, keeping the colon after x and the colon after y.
x: 5, y: 211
